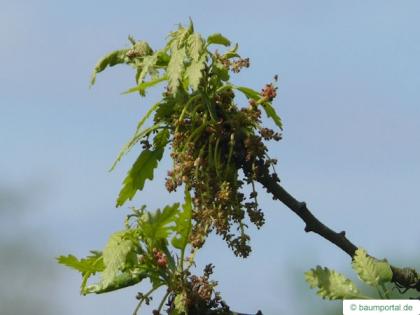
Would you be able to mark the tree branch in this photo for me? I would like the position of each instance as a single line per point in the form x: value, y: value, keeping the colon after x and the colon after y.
x: 406, y: 278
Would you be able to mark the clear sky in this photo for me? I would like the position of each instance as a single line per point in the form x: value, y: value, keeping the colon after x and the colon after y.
x: 349, y: 85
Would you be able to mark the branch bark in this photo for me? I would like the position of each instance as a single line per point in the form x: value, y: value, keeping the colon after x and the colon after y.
x: 407, y: 278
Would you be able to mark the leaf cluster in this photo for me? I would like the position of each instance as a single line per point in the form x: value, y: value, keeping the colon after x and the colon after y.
x: 152, y: 245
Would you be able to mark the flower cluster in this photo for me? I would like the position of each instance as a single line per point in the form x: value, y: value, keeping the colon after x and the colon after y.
x: 160, y: 258
x: 200, y: 296
x: 208, y: 154
x: 269, y: 92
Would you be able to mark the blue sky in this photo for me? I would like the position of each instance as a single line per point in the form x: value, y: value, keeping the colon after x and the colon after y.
x: 348, y: 95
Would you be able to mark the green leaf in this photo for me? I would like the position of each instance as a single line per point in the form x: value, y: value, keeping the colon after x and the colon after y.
x: 218, y: 39
x: 271, y: 113
x: 249, y: 93
x: 115, y: 256
x: 87, y: 266
x: 164, y: 111
x: 137, y: 135
x: 269, y: 110
x: 183, y: 224
x: 163, y: 59
x: 195, y: 46
x: 180, y: 36
x: 141, y: 88
x: 120, y: 281
x: 142, y: 169
x: 232, y: 53
x: 158, y: 225
x: 148, y: 64
x: 91, y: 264
x: 221, y: 72
x: 136, y: 138
x: 161, y: 139
x: 176, y: 67
x: 371, y: 271
x: 194, y: 72
x: 142, y: 48
x: 114, y: 58
x: 332, y: 285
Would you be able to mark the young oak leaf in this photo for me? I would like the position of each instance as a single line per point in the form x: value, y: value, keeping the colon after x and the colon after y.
x: 88, y: 266
x: 371, y: 271
x: 180, y: 36
x: 183, y: 224
x: 176, y: 67
x: 195, y: 46
x: 142, y: 169
x: 147, y: 66
x: 232, y: 53
x: 113, y: 58
x: 120, y: 281
x: 194, y: 72
x: 157, y: 226
x: 271, y: 113
x: 161, y: 139
x: 218, y: 39
x: 332, y: 285
x: 115, y: 256
x: 91, y: 264
x: 268, y: 108
x: 143, y: 86
x: 140, y: 133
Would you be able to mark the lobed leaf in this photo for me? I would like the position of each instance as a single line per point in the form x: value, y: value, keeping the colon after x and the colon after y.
x: 91, y: 264
x: 161, y: 139
x: 194, y: 72
x: 157, y: 226
x: 231, y: 53
x: 268, y: 108
x: 120, y: 281
x: 195, y: 46
x: 142, y: 48
x: 183, y: 224
x: 271, y: 113
x: 142, y: 169
x: 332, y: 285
x: 137, y: 135
x: 115, y: 256
x: 176, y: 67
x: 180, y: 37
x: 371, y: 271
x: 148, y: 64
x: 114, y: 58
x: 141, y: 88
